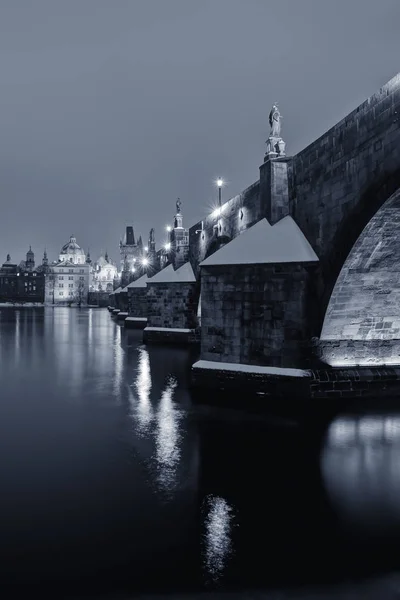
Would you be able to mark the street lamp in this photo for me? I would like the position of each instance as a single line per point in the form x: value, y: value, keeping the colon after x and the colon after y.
x: 168, y: 228
x: 146, y: 249
x: 145, y: 262
x: 167, y: 246
x: 220, y: 183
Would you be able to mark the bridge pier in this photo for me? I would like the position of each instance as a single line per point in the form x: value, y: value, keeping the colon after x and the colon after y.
x: 172, y: 298
x: 137, y: 304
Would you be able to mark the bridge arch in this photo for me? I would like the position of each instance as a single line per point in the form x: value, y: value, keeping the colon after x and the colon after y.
x: 362, y: 321
x: 347, y: 233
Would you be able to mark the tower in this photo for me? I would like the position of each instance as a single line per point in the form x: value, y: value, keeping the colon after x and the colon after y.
x: 45, y: 260
x: 179, y: 239
x: 130, y: 253
x: 30, y: 260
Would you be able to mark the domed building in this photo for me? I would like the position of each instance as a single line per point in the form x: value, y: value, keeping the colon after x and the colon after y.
x: 103, y: 275
x: 69, y: 276
x: 72, y: 252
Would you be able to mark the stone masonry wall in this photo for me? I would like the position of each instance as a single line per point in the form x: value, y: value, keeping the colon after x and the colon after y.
x: 172, y: 305
x: 123, y: 301
x: 340, y: 180
x: 238, y: 213
x: 255, y: 314
x: 366, y: 298
x: 137, y: 302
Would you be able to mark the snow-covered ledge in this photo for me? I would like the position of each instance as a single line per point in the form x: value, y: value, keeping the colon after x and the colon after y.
x: 165, y: 329
x: 239, y: 368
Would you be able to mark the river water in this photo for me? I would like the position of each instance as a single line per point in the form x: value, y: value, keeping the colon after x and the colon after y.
x: 114, y: 479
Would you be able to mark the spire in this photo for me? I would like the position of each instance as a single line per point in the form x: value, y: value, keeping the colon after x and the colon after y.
x: 88, y: 259
x: 106, y: 256
x: 140, y: 243
x: 8, y: 258
x: 45, y: 261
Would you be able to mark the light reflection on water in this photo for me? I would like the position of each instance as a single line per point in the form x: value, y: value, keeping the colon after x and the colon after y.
x: 141, y: 404
x: 218, y: 536
x: 168, y: 437
x: 360, y: 465
x: 118, y: 363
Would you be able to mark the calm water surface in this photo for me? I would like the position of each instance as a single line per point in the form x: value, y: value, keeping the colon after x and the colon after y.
x: 113, y: 478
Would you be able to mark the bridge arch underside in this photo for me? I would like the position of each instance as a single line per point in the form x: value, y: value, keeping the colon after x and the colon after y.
x: 362, y: 321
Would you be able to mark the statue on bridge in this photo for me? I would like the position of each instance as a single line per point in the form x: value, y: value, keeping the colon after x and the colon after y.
x: 178, y: 206
x: 275, y: 121
x: 275, y: 144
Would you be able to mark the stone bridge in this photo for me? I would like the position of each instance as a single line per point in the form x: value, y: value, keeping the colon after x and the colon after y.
x: 342, y: 193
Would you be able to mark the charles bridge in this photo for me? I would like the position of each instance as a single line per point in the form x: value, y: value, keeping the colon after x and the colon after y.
x: 295, y: 282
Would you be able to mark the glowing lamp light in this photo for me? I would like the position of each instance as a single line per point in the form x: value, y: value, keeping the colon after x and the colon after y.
x: 146, y: 249
x: 167, y: 246
x: 134, y: 260
x: 217, y: 212
x: 168, y: 228
x: 220, y: 182
x: 145, y: 262
x: 133, y: 269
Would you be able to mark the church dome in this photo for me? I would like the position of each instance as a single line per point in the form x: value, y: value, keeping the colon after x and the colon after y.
x: 72, y: 248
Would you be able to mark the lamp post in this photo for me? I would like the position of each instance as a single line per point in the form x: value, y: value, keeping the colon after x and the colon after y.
x: 220, y: 183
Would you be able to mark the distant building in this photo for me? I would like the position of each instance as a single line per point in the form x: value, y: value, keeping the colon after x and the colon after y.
x: 8, y: 281
x: 103, y: 274
x: 70, y: 282
x: 31, y: 282
x: 22, y: 283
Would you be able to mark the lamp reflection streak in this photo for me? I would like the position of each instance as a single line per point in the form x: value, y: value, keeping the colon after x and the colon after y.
x: 168, y: 437
x: 218, y: 538
x: 118, y: 363
x: 143, y: 410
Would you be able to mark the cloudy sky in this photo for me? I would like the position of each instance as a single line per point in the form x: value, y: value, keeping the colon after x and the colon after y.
x: 110, y: 109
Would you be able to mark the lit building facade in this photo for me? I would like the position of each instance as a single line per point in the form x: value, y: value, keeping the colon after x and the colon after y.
x: 70, y: 276
x: 103, y: 274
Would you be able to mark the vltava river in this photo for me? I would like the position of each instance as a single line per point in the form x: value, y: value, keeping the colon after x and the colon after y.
x: 114, y: 479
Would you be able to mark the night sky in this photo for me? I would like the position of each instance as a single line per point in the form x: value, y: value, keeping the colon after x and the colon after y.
x: 111, y: 109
